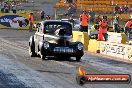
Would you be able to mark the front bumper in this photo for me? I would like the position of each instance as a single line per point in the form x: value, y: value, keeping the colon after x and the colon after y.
x: 63, y: 53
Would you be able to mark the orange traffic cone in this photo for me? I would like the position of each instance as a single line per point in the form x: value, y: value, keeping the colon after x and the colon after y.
x: 100, y: 35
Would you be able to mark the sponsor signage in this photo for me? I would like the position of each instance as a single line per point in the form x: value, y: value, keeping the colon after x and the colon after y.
x: 13, y: 21
x: 116, y: 50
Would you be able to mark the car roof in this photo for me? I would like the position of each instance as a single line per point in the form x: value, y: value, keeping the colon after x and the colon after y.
x: 68, y: 19
x: 56, y: 21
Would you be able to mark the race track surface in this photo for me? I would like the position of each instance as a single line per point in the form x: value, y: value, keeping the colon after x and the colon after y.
x: 19, y: 70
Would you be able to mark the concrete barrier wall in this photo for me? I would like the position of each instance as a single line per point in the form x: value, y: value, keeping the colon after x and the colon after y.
x: 117, y: 37
x: 122, y: 51
x: 115, y: 46
x: 93, y: 46
x: 82, y: 37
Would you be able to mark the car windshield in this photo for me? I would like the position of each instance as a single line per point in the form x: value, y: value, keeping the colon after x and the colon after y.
x: 51, y: 27
x: 76, y: 22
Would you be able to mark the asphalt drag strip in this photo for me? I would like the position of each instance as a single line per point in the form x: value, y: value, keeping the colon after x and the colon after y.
x: 51, y: 73
x: 16, y: 75
x: 9, y: 80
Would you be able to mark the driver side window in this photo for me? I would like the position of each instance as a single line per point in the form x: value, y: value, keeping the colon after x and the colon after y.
x: 49, y: 29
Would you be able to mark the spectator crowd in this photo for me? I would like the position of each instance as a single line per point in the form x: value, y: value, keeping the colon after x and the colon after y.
x: 120, y: 9
x: 6, y: 7
x: 100, y: 26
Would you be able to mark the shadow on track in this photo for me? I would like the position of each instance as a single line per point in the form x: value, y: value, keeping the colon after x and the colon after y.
x: 61, y: 59
x: 53, y: 72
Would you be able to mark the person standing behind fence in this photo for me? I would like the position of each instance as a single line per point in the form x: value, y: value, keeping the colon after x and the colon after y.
x: 122, y: 8
x: 71, y: 10
x: 14, y: 7
x: 6, y: 7
x: 71, y: 21
x: 2, y: 8
x: 92, y: 16
x: 126, y: 8
x: 31, y: 20
x: 103, y: 25
x: 84, y: 20
x: 116, y: 25
x: 48, y: 17
x: 97, y: 19
x: 94, y: 31
x: 128, y: 28
x: 116, y: 9
x: 42, y: 15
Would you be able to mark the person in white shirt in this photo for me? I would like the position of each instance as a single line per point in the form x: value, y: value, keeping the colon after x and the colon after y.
x: 14, y: 8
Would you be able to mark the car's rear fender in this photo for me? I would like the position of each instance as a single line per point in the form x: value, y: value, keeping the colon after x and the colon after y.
x: 31, y: 41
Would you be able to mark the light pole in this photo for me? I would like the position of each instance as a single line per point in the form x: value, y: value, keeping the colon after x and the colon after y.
x: 20, y: 6
x: 33, y: 4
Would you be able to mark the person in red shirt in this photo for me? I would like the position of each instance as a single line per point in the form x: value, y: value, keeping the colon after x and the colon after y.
x: 31, y: 20
x: 84, y: 20
x: 128, y: 28
x: 103, y: 25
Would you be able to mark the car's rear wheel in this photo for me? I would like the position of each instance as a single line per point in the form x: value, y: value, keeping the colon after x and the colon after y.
x: 32, y: 52
x: 31, y: 49
x: 78, y: 59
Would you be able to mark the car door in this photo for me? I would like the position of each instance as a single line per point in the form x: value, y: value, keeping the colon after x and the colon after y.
x: 39, y: 35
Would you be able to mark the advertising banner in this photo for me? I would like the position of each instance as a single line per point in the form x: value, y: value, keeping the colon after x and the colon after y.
x: 18, y: 21
x: 116, y: 50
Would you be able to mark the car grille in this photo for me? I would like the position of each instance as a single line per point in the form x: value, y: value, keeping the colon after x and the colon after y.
x: 63, y: 50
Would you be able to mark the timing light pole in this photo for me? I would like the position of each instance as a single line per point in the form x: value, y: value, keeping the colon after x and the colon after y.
x: 33, y: 4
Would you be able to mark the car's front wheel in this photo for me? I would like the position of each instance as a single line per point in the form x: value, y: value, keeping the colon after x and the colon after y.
x: 78, y: 59
x: 42, y: 56
x: 41, y: 53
